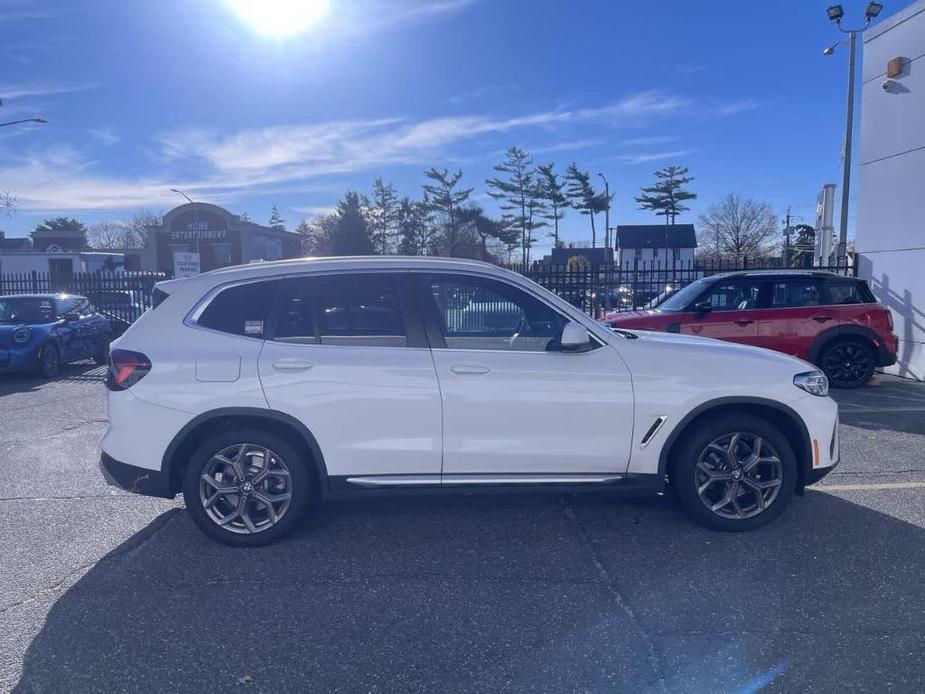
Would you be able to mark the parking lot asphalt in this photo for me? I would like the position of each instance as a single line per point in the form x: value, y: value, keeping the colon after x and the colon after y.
x: 106, y: 591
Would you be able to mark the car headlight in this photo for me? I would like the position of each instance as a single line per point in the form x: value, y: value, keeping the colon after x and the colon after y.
x: 21, y: 335
x: 813, y: 382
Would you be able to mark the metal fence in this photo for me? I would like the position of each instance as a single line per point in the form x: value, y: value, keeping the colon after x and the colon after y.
x: 596, y: 289
x: 122, y: 297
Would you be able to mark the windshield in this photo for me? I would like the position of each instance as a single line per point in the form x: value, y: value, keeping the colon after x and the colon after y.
x: 26, y: 310
x: 683, y: 297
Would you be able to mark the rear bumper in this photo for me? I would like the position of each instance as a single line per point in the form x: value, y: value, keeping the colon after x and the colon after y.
x: 18, y: 359
x: 887, y: 351
x: 133, y: 479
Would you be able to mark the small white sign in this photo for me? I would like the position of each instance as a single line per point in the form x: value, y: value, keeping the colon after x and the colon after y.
x: 185, y: 264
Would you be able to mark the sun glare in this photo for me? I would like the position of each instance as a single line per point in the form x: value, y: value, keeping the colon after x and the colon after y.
x: 280, y: 18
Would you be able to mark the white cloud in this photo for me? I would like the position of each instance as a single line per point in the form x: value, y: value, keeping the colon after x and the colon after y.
x: 740, y: 106
x: 644, y: 157
x: 105, y: 136
x: 649, y: 141
x: 283, y: 156
x: 30, y: 89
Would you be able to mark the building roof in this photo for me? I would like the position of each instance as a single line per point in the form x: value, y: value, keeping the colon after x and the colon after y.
x: 22, y: 243
x: 653, y: 236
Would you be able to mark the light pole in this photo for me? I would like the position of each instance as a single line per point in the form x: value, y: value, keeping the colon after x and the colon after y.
x: 24, y: 120
x: 180, y: 192
x: 835, y: 13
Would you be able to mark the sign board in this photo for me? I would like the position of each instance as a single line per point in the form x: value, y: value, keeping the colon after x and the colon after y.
x: 185, y: 264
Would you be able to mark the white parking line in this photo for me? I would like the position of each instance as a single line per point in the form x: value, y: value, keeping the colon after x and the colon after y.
x: 861, y: 487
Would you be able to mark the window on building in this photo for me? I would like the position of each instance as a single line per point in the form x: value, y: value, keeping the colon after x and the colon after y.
x: 221, y: 254
x: 267, y: 247
x: 242, y: 309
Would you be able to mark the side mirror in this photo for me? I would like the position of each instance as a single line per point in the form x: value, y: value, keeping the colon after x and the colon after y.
x: 703, y: 307
x: 71, y: 317
x: 575, y: 337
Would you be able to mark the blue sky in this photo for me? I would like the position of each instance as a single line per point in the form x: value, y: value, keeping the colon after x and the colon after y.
x: 145, y: 96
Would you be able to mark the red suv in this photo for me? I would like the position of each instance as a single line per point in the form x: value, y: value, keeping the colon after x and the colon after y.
x: 830, y: 320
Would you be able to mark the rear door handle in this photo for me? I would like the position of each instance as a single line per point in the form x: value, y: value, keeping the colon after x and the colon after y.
x: 744, y: 321
x: 292, y: 364
x: 822, y: 318
x: 469, y: 369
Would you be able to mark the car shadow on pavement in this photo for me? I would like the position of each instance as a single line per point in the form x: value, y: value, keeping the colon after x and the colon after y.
x: 22, y: 381
x: 522, y: 593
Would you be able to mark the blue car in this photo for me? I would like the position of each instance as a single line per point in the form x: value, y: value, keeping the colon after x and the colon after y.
x: 42, y: 331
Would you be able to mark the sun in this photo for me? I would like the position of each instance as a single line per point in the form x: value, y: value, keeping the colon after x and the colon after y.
x: 280, y: 18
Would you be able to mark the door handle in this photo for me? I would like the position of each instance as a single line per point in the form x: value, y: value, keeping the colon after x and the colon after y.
x: 292, y: 364
x: 744, y: 321
x: 469, y: 369
x: 822, y: 318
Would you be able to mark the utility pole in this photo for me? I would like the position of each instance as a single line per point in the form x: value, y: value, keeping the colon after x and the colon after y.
x: 787, y: 239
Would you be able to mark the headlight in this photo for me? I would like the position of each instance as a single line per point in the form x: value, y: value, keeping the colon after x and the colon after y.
x: 813, y: 382
x: 21, y: 335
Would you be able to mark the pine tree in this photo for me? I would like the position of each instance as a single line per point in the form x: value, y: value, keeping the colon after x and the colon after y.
x: 522, y: 205
x: 667, y: 195
x: 382, y: 213
x: 487, y: 228
x: 552, y: 191
x: 276, y: 222
x: 244, y: 217
x: 444, y: 199
x: 583, y: 197
x: 351, y: 234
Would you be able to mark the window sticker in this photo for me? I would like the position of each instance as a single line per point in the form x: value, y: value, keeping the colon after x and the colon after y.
x: 253, y: 327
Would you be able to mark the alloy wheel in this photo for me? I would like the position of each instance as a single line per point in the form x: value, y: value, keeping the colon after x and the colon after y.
x: 738, y: 475
x: 847, y: 364
x: 245, y: 488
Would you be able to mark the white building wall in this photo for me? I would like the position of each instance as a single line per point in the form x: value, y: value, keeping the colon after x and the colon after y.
x: 890, y: 222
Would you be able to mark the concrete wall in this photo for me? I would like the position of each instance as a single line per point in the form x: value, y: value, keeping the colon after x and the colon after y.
x: 891, y: 183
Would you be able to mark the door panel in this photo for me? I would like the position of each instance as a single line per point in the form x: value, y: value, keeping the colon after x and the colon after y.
x: 373, y: 410
x: 345, y: 358
x: 734, y: 315
x: 534, y: 412
x: 513, y: 402
x: 794, y: 317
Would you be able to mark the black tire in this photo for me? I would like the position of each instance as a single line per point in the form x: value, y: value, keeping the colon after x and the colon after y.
x: 303, y: 487
x: 848, y: 363
x: 49, y: 361
x: 685, y: 476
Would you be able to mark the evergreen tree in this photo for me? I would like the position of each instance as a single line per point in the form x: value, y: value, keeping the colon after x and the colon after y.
x: 351, y: 234
x: 382, y: 214
x: 277, y: 222
x: 522, y: 205
x: 667, y: 195
x: 584, y: 197
x: 552, y: 191
x: 444, y: 199
x: 244, y: 217
x: 487, y: 228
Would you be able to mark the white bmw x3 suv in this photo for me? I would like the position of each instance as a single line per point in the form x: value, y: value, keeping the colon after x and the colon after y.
x: 258, y: 390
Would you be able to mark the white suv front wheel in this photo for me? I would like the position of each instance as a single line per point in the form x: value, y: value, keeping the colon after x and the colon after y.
x: 246, y: 487
x: 734, y: 472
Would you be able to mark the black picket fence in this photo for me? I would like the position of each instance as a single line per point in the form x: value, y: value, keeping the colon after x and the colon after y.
x: 122, y: 297
x: 597, y: 289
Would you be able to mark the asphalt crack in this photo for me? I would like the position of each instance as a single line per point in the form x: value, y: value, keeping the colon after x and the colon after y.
x: 611, y: 584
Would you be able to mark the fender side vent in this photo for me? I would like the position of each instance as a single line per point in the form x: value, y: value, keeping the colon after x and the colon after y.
x: 656, y: 425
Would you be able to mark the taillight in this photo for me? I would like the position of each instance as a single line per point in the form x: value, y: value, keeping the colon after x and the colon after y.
x: 889, y: 318
x: 126, y: 368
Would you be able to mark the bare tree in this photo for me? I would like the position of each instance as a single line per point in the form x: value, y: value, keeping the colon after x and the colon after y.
x: 108, y: 235
x: 139, y: 224
x: 738, y: 227
x: 318, y: 235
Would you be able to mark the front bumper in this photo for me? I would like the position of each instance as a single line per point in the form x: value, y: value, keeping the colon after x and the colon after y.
x: 815, y: 474
x: 133, y: 479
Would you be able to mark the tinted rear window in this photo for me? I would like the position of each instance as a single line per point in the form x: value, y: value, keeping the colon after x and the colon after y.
x: 241, y: 310
x: 849, y: 292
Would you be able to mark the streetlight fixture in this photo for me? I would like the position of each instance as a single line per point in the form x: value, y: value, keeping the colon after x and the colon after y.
x: 24, y: 120
x: 836, y: 13
x: 180, y: 192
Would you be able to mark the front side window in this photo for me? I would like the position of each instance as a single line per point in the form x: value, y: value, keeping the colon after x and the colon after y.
x: 732, y: 296
x: 242, y: 309
x: 347, y: 310
x: 478, y: 313
x: 795, y: 293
